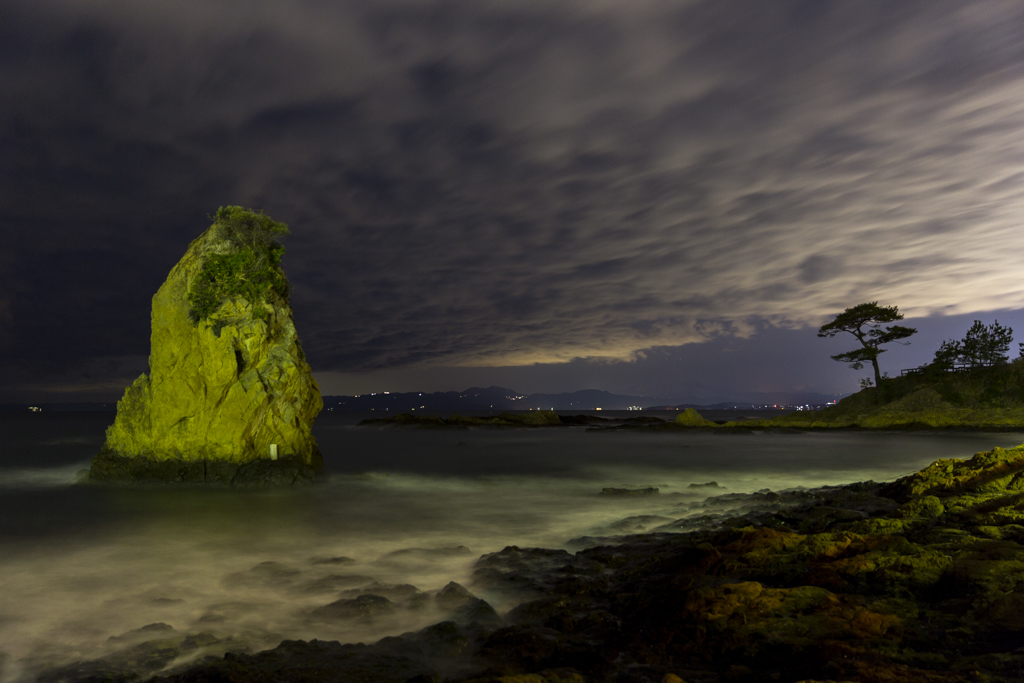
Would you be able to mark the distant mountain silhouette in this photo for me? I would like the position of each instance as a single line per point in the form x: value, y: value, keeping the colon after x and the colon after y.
x: 502, y: 398
x: 489, y: 398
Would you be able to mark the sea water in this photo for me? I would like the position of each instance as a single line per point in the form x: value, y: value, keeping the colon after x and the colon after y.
x: 79, y: 564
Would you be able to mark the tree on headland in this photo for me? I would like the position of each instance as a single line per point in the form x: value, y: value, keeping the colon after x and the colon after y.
x: 865, y: 322
x: 982, y: 345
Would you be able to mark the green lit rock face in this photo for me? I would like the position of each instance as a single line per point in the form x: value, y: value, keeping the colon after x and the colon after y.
x: 228, y: 387
x: 691, y: 418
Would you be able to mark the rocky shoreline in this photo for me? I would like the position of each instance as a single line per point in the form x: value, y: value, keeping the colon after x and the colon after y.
x: 691, y: 421
x: 921, y: 579
x: 688, y: 420
x: 111, y: 468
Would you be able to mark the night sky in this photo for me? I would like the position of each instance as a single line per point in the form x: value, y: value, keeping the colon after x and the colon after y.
x: 659, y: 198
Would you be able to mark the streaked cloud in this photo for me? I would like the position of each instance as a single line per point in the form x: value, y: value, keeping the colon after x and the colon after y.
x: 507, y: 183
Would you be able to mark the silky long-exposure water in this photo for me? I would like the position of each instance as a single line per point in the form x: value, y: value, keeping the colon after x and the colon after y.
x: 80, y: 564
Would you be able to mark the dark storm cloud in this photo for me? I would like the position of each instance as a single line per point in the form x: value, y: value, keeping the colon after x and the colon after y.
x: 497, y: 183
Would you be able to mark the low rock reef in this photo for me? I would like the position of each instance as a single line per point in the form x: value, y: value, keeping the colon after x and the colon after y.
x: 689, y: 419
x: 981, y: 399
x: 921, y: 579
x: 534, y: 418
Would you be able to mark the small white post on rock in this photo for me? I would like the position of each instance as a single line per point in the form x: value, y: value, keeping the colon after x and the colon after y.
x: 273, y: 451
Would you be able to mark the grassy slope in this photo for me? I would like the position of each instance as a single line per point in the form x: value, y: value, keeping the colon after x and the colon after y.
x: 983, y: 398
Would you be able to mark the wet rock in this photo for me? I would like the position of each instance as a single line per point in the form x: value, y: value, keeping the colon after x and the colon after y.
x: 168, y: 601
x: 418, y: 602
x: 394, y: 592
x: 525, y: 647
x: 198, y: 640
x: 331, y: 560
x: 442, y: 651
x: 334, y: 583
x: 316, y: 660
x: 428, y: 553
x: 270, y: 574
x: 925, y: 507
x: 477, y: 612
x: 211, y: 618
x: 526, y: 571
x: 147, y: 632
x: 463, y: 607
x: 452, y: 596
x: 992, y: 473
x: 363, y: 608
x: 142, y: 652
x: 636, y: 524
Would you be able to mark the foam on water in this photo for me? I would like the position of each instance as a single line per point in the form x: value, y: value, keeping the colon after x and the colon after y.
x: 40, y: 477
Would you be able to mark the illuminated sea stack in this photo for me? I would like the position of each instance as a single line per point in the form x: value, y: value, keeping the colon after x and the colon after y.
x: 230, y: 398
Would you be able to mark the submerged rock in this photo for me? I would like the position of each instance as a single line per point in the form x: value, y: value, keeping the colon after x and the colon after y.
x: 648, y: 491
x: 229, y: 397
x: 365, y: 607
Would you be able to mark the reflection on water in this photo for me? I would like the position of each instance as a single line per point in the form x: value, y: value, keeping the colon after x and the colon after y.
x: 82, y: 564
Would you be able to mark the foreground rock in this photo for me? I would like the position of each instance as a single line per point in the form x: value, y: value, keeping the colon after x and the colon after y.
x: 229, y: 398
x: 918, y: 580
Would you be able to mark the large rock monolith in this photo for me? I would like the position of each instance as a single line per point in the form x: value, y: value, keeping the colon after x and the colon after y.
x: 229, y: 397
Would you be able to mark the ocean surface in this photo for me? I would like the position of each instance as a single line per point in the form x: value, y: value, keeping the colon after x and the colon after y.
x: 80, y: 564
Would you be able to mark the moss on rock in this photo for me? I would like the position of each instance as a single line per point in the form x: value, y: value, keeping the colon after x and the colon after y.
x: 691, y: 418
x: 231, y: 387
x: 987, y: 474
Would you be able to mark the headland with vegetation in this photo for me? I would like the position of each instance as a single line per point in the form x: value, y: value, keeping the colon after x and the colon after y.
x: 970, y: 384
x: 990, y: 398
